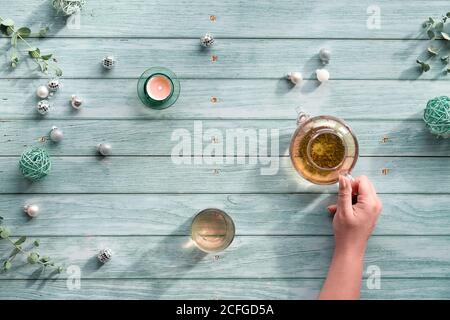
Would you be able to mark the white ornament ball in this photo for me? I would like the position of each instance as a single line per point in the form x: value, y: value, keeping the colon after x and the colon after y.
x: 42, y: 92
x: 108, y: 62
x: 207, y: 40
x: 53, y: 85
x: 295, y: 77
x: 43, y: 107
x: 31, y: 210
x: 104, y: 149
x: 104, y: 255
x: 76, y: 102
x: 325, y: 55
x: 322, y: 75
x: 56, y: 134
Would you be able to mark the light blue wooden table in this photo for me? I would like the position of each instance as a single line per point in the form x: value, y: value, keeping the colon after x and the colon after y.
x: 140, y: 204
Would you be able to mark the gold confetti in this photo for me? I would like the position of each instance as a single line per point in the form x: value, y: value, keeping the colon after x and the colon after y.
x: 214, y: 99
x: 214, y: 58
x: 385, y: 171
x: 385, y: 139
x: 213, y: 18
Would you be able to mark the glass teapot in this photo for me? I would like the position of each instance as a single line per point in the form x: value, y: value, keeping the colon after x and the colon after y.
x: 323, y: 147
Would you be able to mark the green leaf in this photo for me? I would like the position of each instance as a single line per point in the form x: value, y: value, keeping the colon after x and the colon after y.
x: 60, y: 269
x: 36, y: 243
x: 439, y: 26
x: 1, y: 219
x: 446, y: 36
x: 20, y: 241
x: 425, y: 66
x: 448, y: 14
x: 24, y: 32
x: 430, y: 34
x: 8, y: 23
x: 445, y: 59
x: 46, y: 56
x: 34, y: 52
x: 433, y: 51
x: 33, y: 257
x: 5, y: 233
x: 45, y: 259
x: 7, y: 265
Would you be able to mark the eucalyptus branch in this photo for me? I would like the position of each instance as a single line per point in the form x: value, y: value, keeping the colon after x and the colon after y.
x: 436, y: 30
x: 43, y: 61
x: 33, y: 256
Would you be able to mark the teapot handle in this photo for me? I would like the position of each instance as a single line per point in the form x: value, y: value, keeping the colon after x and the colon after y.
x: 301, y: 116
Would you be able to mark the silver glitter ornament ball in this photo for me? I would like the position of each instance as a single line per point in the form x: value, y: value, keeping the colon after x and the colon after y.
x: 207, y: 40
x: 325, y: 55
x: 108, y: 62
x: 56, y: 134
x: 53, y: 85
x: 104, y: 149
x: 43, y: 107
x: 76, y: 102
x: 104, y: 255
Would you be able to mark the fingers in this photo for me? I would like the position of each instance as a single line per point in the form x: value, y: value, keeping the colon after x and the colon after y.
x: 345, y: 195
x: 365, y: 187
x: 332, y: 208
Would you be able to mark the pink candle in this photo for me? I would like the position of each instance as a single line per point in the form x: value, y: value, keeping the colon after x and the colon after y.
x: 159, y: 87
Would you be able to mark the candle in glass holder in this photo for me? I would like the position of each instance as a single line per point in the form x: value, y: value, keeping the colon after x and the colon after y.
x: 212, y: 230
x: 159, y: 87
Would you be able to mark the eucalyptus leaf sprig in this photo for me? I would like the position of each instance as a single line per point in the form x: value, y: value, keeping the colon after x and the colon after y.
x: 435, y: 29
x: 45, y: 61
x: 33, y: 256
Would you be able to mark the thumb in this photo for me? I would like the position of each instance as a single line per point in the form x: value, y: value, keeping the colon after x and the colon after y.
x: 345, y: 195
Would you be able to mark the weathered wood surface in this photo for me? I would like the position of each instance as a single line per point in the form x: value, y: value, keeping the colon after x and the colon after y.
x: 284, y: 240
x: 237, y: 19
x: 162, y: 175
x: 235, y: 99
x: 247, y: 257
x: 170, y: 214
x: 237, y: 58
x: 386, y: 138
x: 209, y: 289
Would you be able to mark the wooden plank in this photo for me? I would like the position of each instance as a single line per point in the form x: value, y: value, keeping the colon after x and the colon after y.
x: 383, y: 138
x: 215, y: 289
x: 162, y: 175
x: 247, y: 257
x: 238, y: 58
x: 265, y: 19
x: 234, y: 99
x: 163, y: 214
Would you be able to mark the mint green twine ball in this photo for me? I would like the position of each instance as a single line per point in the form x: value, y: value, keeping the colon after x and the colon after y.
x: 35, y: 163
x: 437, y: 116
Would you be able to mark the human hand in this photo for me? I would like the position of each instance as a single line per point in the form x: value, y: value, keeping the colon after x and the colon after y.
x: 353, y: 223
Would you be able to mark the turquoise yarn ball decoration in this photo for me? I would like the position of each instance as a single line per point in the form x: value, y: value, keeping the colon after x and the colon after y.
x: 437, y: 116
x: 35, y: 163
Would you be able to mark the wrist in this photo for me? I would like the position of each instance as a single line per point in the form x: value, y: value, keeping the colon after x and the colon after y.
x: 352, y: 252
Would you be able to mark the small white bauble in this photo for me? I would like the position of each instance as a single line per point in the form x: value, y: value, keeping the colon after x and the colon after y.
x: 108, y: 62
x: 207, y: 40
x: 104, y: 149
x: 104, y: 255
x: 322, y: 75
x: 295, y: 77
x: 43, y: 107
x: 53, y: 85
x: 76, y: 102
x: 325, y: 55
x: 31, y: 210
x: 56, y: 134
x: 42, y: 92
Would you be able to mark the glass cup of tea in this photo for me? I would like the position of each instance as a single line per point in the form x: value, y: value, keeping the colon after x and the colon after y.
x: 212, y: 230
x: 322, y: 148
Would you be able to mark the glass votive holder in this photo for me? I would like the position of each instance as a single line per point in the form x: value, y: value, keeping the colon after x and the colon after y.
x: 212, y: 230
x: 158, y: 88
